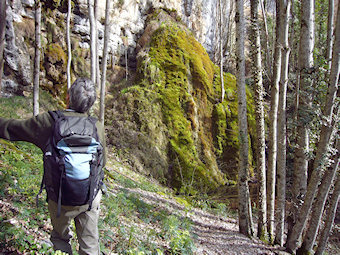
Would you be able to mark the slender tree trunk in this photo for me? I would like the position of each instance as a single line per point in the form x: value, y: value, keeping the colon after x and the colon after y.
x: 2, y: 36
x: 306, y: 48
x: 272, y: 139
x: 37, y: 58
x: 104, y: 61
x: 330, y: 29
x: 294, y: 43
x: 244, y: 209
x: 97, y: 43
x: 322, y: 150
x: 93, y: 39
x: 69, y: 50
x: 229, y: 39
x: 282, y: 126
x: 318, y: 208
x: 221, y: 49
x: 126, y: 59
x: 330, y: 214
x: 259, y: 115
x: 268, y: 58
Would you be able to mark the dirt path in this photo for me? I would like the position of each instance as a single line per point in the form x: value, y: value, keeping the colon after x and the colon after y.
x: 212, y: 234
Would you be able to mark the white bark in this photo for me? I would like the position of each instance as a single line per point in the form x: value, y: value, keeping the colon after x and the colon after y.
x: 272, y: 139
x: 323, y: 144
x: 282, y: 126
x: 268, y: 57
x: 221, y: 49
x: 259, y: 116
x: 330, y: 216
x: 330, y: 29
x: 318, y: 207
x: 36, y: 74
x: 104, y: 61
x: 2, y: 35
x: 306, y: 48
x: 244, y: 209
x: 98, y: 82
x: 126, y: 60
x: 69, y: 50
x: 93, y: 39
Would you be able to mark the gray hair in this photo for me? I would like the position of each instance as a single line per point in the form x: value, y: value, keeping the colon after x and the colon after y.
x: 82, y: 95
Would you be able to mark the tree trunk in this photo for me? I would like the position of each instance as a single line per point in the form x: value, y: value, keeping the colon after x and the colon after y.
x: 2, y: 36
x: 126, y: 45
x: 330, y: 28
x: 272, y: 139
x: 98, y: 82
x: 268, y: 58
x: 318, y: 208
x: 333, y: 205
x: 93, y: 39
x: 306, y: 48
x: 69, y: 50
x: 221, y: 49
x: 259, y: 115
x: 322, y: 150
x: 282, y: 126
x: 104, y: 61
x: 244, y: 209
x: 37, y: 58
x: 229, y: 40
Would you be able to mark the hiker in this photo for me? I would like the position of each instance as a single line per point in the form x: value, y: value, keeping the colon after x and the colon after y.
x: 61, y: 205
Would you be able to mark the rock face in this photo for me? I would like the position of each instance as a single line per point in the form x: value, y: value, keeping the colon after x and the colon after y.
x: 169, y: 120
x: 17, y: 68
x: 128, y: 17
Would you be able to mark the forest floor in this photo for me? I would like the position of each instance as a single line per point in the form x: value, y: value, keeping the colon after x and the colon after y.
x: 139, y: 216
x: 213, y: 229
x: 212, y: 234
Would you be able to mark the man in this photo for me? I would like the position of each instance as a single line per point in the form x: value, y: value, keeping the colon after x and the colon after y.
x: 38, y: 130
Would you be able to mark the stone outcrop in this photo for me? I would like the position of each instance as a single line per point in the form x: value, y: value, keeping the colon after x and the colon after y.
x: 128, y: 18
x: 169, y: 121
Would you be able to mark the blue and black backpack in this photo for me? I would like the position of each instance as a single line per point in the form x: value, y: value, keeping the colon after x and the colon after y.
x: 73, y: 161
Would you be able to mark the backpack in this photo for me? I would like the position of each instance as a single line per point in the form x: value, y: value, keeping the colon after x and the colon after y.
x: 73, y: 161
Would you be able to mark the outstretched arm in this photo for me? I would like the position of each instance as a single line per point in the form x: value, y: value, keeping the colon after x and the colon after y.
x: 35, y: 130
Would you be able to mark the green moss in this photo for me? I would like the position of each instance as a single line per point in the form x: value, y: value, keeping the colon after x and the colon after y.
x: 51, y: 4
x: 263, y: 235
x: 79, y: 65
x: 183, y: 71
x: 176, y: 74
x: 55, y: 63
x: 55, y: 54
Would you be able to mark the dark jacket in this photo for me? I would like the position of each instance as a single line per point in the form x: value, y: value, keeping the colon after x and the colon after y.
x: 39, y: 129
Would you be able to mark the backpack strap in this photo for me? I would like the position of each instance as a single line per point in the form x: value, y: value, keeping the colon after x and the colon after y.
x: 59, y: 196
x: 62, y: 172
x: 55, y: 115
x: 94, y: 186
x: 95, y: 132
x: 42, y: 186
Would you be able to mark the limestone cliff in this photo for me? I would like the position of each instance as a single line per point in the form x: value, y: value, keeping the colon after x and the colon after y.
x: 128, y: 23
x: 169, y: 120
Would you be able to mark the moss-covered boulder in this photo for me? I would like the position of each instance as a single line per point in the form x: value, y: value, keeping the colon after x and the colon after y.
x: 55, y: 63
x: 170, y: 120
